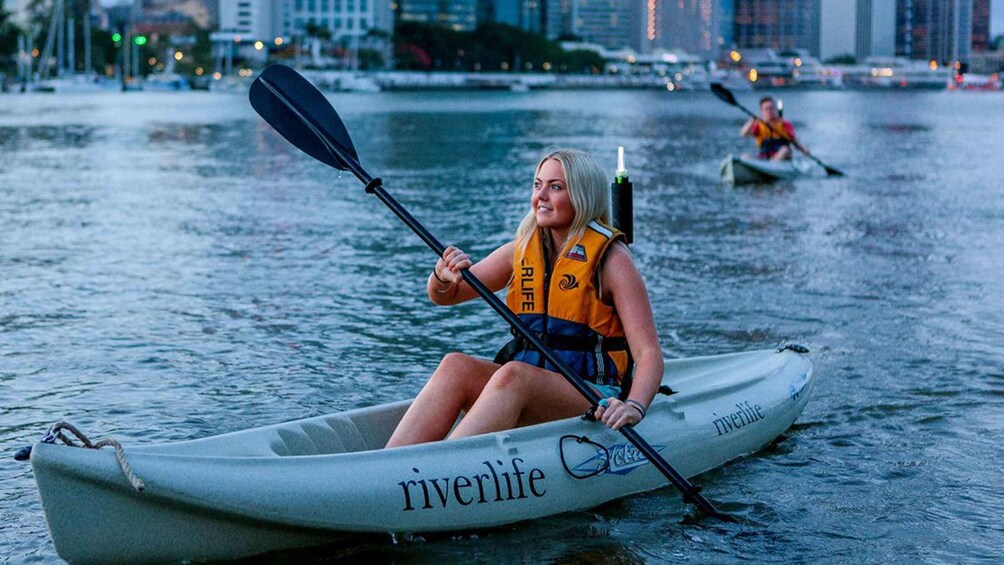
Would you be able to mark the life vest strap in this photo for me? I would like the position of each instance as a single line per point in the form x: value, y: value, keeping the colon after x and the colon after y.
x: 576, y: 343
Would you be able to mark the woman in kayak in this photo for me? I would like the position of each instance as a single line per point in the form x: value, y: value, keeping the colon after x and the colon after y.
x: 571, y: 278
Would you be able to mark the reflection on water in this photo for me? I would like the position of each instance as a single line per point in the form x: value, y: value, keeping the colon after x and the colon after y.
x: 173, y: 269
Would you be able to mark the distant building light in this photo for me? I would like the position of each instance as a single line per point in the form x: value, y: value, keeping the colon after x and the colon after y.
x: 178, y: 55
x: 278, y: 41
x: 933, y: 65
x: 151, y: 61
x: 258, y: 45
x: 217, y: 75
x: 199, y: 71
x: 735, y: 56
x: 798, y: 61
x: 753, y: 75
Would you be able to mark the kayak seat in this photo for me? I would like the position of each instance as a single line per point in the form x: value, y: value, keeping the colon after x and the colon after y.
x: 318, y: 437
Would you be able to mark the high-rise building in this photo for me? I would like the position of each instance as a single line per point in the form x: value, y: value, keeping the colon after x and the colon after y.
x: 694, y: 26
x: 981, y: 25
x: 343, y: 18
x: 726, y: 22
x: 198, y: 11
x: 248, y: 20
x: 459, y: 15
x: 934, y: 30
x: 265, y: 20
x: 838, y: 29
x: 776, y: 24
x: 875, y: 29
x: 614, y: 24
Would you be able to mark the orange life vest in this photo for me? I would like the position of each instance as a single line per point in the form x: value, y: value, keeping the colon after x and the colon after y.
x: 562, y: 304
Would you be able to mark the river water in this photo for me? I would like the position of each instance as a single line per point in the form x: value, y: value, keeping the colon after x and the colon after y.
x: 170, y: 269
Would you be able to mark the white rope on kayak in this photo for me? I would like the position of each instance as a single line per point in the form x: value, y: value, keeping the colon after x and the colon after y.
x: 56, y: 432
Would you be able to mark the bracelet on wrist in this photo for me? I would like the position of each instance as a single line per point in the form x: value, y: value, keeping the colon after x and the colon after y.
x: 636, y: 405
x: 439, y: 279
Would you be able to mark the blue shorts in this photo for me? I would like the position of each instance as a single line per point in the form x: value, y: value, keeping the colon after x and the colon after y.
x: 607, y: 391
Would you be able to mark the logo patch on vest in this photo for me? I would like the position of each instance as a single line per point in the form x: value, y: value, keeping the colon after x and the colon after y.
x: 578, y: 253
x: 568, y: 282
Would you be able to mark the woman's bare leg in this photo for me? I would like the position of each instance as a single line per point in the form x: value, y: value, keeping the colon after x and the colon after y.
x: 453, y: 387
x: 519, y: 395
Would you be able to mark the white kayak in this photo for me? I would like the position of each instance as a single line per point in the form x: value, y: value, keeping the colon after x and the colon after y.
x: 315, y: 480
x: 737, y: 169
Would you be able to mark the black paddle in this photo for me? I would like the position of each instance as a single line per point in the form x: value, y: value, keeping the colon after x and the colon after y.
x: 301, y: 114
x: 726, y: 96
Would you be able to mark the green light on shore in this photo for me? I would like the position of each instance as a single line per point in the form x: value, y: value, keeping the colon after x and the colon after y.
x: 139, y: 40
x: 116, y: 37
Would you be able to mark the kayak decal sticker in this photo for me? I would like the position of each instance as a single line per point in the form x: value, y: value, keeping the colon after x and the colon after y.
x: 501, y: 482
x: 619, y: 459
x: 796, y: 386
x: 745, y: 415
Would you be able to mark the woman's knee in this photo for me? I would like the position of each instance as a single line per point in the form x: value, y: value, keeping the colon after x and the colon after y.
x: 510, y: 377
x: 455, y: 361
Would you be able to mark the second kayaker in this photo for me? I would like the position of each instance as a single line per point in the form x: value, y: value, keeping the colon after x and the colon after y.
x: 572, y: 279
x: 773, y: 134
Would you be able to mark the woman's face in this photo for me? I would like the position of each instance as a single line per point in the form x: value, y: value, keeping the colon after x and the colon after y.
x: 551, y: 201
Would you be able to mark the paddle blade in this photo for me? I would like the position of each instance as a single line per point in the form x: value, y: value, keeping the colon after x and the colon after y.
x: 723, y: 93
x: 302, y: 115
x: 831, y: 172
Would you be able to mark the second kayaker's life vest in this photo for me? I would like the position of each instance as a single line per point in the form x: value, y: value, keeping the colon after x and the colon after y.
x: 562, y: 304
x: 770, y: 139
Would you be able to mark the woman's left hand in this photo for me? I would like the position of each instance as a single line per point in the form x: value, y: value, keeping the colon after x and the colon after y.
x: 614, y: 413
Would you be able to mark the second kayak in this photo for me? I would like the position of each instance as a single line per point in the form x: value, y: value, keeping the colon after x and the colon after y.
x: 737, y: 169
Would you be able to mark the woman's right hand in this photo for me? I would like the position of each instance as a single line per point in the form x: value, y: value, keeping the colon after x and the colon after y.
x: 453, y: 261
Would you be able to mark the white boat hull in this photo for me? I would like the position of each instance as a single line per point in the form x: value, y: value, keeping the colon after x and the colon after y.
x: 312, y: 481
x: 745, y: 170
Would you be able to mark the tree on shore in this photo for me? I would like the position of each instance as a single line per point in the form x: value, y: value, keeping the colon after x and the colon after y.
x: 8, y: 40
x: 845, y: 59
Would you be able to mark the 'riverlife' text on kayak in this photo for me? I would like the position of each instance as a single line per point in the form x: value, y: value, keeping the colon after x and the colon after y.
x: 460, y: 487
x: 747, y: 414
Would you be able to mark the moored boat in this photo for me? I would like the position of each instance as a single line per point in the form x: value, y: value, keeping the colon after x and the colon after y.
x: 737, y: 169
x: 315, y: 480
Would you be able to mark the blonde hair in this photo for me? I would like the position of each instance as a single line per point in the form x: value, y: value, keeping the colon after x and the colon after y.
x: 586, y: 182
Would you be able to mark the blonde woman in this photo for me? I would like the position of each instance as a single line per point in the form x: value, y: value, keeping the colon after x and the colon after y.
x: 571, y: 278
